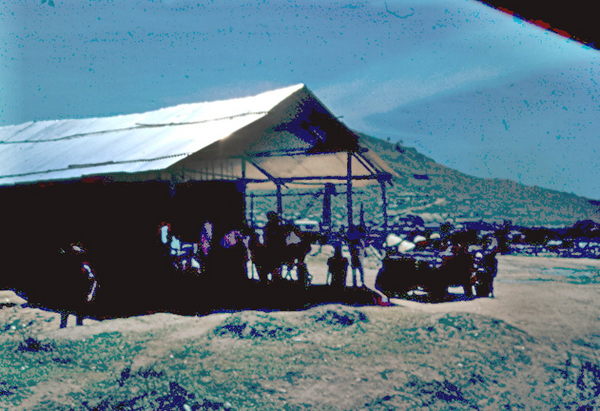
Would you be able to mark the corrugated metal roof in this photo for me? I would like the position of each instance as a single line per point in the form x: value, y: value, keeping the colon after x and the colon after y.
x: 71, y: 149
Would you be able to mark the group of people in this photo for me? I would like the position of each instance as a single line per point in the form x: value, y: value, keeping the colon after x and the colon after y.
x: 224, y: 256
x: 338, y: 265
x: 221, y: 258
x: 283, y: 247
x: 286, y: 245
x: 218, y: 256
x: 436, y: 263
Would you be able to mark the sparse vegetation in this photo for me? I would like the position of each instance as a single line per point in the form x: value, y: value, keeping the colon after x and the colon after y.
x: 435, y: 192
x: 331, y: 357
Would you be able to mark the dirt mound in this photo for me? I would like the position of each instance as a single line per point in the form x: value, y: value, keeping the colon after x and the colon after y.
x: 16, y: 320
x: 151, y: 390
x: 478, y: 326
x: 254, y: 324
x: 337, y: 316
x: 340, y: 358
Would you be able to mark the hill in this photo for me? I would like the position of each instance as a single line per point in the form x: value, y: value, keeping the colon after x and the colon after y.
x: 438, y: 193
x: 434, y: 189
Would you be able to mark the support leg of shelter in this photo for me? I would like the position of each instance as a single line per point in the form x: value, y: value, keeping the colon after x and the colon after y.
x: 362, y: 215
x: 251, y: 210
x: 384, y: 209
x: 349, y: 191
x: 243, y: 187
x: 327, y: 193
x: 279, y: 201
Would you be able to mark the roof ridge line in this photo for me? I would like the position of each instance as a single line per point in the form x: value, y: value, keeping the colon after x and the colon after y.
x: 136, y: 127
x: 250, y: 113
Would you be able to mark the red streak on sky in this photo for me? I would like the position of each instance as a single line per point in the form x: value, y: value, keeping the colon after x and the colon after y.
x: 540, y: 23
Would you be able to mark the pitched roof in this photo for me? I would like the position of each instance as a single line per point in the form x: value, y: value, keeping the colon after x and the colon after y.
x: 188, y: 138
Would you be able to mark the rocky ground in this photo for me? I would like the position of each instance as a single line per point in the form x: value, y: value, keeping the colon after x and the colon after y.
x: 535, y: 346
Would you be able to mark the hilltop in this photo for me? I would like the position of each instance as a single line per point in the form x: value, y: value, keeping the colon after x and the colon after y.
x: 431, y: 188
x: 438, y: 193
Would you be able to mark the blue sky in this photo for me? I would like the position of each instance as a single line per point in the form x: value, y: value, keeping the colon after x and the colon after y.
x: 465, y: 84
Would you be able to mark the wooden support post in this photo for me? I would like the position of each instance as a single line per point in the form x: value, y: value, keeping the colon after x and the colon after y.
x: 172, y: 185
x: 349, y: 191
x: 279, y: 201
x: 251, y: 210
x: 362, y: 216
x: 384, y: 209
x: 327, y: 193
x: 243, y: 186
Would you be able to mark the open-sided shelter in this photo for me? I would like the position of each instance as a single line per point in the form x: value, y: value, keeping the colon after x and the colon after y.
x: 111, y: 182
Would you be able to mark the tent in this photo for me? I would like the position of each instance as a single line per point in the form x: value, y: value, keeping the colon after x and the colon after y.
x: 113, y: 181
x: 280, y: 136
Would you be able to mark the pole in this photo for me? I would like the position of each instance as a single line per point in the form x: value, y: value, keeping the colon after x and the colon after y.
x: 244, y: 187
x: 349, y: 191
x: 329, y: 190
x: 279, y: 201
x: 252, y: 210
x: 362, y: 216
x: 384, y: 209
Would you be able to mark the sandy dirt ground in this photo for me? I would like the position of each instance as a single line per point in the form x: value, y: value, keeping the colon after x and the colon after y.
x: 544, y: 306
x: 553, y: 298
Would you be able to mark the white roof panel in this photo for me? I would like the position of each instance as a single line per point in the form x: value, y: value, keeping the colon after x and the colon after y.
x: 70, y: 149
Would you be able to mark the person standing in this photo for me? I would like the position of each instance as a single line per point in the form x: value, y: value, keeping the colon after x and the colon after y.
x: 338, y: 268
x: 457, y: 268
x: 274, y: 245
x: 356, y: 243
x: 81, y: 284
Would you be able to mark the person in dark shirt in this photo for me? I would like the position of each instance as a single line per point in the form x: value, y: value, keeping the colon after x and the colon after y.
x: 457, y: 268
x: 357, y: 245
x: 490, y: 266
x: 338, y: 267
x: 80, y: 286
x: 274, y: 245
